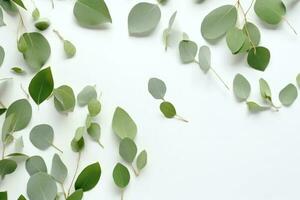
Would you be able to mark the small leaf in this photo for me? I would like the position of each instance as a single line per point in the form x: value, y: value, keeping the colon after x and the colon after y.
x: 94, y: 107
x: 88, y: 121
x: 59, y: 170
x: 259, y: 58
x: 8, y: 128
x: 89, y: 177
x: 86, y: 95
x: 188, y: 51
x: 3, y: 195
x: 157, y: 88
x: 7, y: 166
x: 91, y: 13
x: 270, y: 11
x: 77, y: 195
x: 35, y: 164
x: 2, y: 55
x: 41, y: 186
x: 64, y: 99
x: 69, y: 48
x: 143, y: 19
x: 77, y: 145
x: 167, y: 31
x: 121, y: 176
x: 94, y: 131
x: 19, y: 3
x: 204, y: 57
x: 123, y: 125
x: 141, y: 160
x: 218, y: 22
x: 168, y: 109
x: 22, y: 111
x: 298, y: 80
x: 128, y: 150
x: 265, y: 90
x: 21, y: 197
x: 235, y: 39
x: 35, y: 48
x: 288, y: 95
x: 41, y: 86
x: 42, y: 24
x: 255, y: 108
x: 253, y: 37
x: 17, y: 70
x: 41, y: 136
x: 241, y: 87
x: 35, y: 14
x: 17, y: 157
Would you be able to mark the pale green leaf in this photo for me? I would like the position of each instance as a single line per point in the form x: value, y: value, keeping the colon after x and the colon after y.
x: 241, y: 87
x: 35, y: 164
x: 188, y: 51
x: 255, y: 108
x: 142, y: 160
x: 86, y: 95
x: 121, y: 176
x: 270, y: 11
x: 41, y: 136
x: 59, y: 170
x: 288, y: 95
x: 64, y: 99
x: 235, y: 39
x: 94, y: 107
x: 128, y: 150
x: 123, y: 125
x: 2, y: 55
x: 157, y: 88
x: 204, y: 58
x: 69, y: 48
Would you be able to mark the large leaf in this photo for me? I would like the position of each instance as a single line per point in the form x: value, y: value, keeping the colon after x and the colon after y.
x: 41, y: 86
x: 41, y: 136
x: 270, y: 11
x: 89, y: 177
x: 41, y: 186
x: 35, y: 164
x: 143, y: 19
x: 35, y: 48
x: 91, y: 12
x: 218, y: 22
x: 123, y: 125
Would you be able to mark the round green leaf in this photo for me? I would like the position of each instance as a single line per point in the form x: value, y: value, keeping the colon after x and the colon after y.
x: 77, y: 195
x: 36, y: 49
x: 128, y: 150
x: 168, y: 109
x: 22, y: 111
x: 35, y: 164
x: 77, y: 145
x: 69, y: 48
x: 143, y: 19
x: 89, y: 177
x: 218, y: 22
x: 2, y: 55
x: 41, y: 136
x: 123, y: 125
x: 241, y: 87
x: 270, y: 11
x: 41, y: 86
x: 91, y: 13
x: 41, y: 186
x: 188, y: 51
x: 204, y: 57
x: 42, y: 24
x: 121, y: 176
x: 157, y: 88
x: 235, y: 39
x: 86, y: 95
x: 7, y: 166
x: 141, y: 160
x: 259, y: 58
x: 59, y: 170
x: 288, y: 95
x: 252, y: 34
x: 64, y: 99
x: 94, y: 131
x: 94, y: 107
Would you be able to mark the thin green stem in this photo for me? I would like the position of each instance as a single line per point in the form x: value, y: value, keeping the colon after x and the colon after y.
x: 290, y: 25
x: 26, y: 94
x: 178, y: 117
x: 136, y: 173
x: 220, y: 78
x: 63, y: 190
x: 58, y: 149
x: 122, y: 195
x: 100, y: 144
x: 3, y: 151
x: 58, y: 35
x: 76, y: 170
x: 2, y: 105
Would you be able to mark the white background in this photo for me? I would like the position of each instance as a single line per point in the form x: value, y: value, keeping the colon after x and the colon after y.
x: 224, y: 152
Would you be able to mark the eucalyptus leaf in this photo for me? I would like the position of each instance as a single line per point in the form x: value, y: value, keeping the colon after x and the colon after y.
x: 19, y: 3
x: 94, y: 107
x: 3, y: 195
x: 142, y: 160
x: 9, y: 6
x: 265, y: 90
x: 259, y: 58
x: 128, y: 150
x: 188, y: 51
x: 121, y: 176
x: 77, y: 145
x: 167, y: 31
x: 204, y: 58
x: 2, y: 55
x: 255, y: 107
x: 19, y: 144
x: 35, y: 48
x: 35, y: 164
x: 235, y: 39
x: 41, y: 136
x: 88, y: 121
x: 17, y: 157
x: 42, y: 24
x: 91, y: 13
x: 218, y: 22
x: 94, y: 132
x: 168, y: 109
x: 21, y: 197
x: 41, y: 86
x: 8, y: 128
x: 241, y: 87
x: 157, y: 88
x: 270, y: 11
x: 18, y: 70
x: 143, y: 19
x: 123, y: 125
x: 64, y: 99
x: 69, y: 48
x: 35, y: 14
x: 7, y: 166
x: 288, y: 95
x: 86, y: 95
x: 59, y: 170
x: 88, y: 178
x: 41, y: 186
x: 252, y: 37
x: 77, y: 195
x: 22, y: 111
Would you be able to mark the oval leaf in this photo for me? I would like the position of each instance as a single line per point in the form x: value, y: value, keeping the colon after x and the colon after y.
x: 128, y: 150
x: 142, y: 160
x: 288, y: 95
x: 121, y: 176
x: 87, y: 94
x: 123, y: 125
x: 64, y: 99
x: 270, y: 11
x: 59, y: 170
x: 35, y: 164
x: 41, y: 136
x: 204, y: 57
x: 259, y: 58
x: 241, y: 87
x: 157, y: 88
x: 77, y: 195
x: 7, y: 166
x: 89, y: 177
x: 168, y: 109
x: 188, y: 51
x: 235, y: 39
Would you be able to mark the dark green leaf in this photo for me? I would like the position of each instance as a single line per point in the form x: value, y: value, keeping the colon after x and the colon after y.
x: 259, y: 58
x: 168, y: 109
x: 89, y: 177
x: 77, y: 195
x: 121, y: 176
x: 7, y: 166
